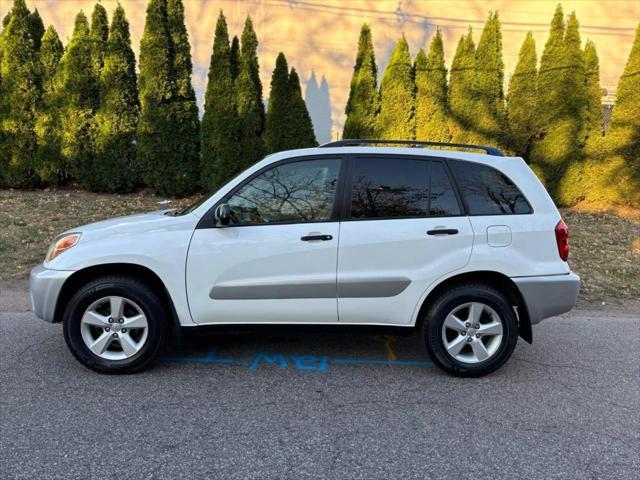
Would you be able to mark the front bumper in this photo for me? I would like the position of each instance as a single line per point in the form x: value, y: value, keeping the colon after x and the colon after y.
x: 549, y: 295
x: 44, y: 288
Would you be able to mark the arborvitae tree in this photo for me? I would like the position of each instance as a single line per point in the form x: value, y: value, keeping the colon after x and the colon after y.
x: 594, y: 117
x: 396, y: 120
x: 49, y: 161
x: 117, y: 118
x: 490, y: 115
x: 277, y: 111
x: 250, y: 107
x: 98, y: 34
x: 288, y: 124
x: 521, y: 100
x: 548, y: 92
x: 234, y: 57
x: 159, y: 153
x: 565, y: 133
x: 36, y: 27
x: 362, y: 106
x: 185, y: 107
x: 220, y: 120
x: 298, y: 127
x: 612, y: 170
x: 624, y: 135
x: 462, y: 92
x: 80, y: 89
x: 549, y: 150
x: 19, y: 97
x: 432, y: 117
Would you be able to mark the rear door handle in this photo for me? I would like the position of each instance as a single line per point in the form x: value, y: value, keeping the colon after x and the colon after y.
x: 443, y: 231
x: 308, y: 238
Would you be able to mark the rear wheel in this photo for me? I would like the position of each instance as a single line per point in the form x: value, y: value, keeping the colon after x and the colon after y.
x: 470, y: 330
x: 115, y: 325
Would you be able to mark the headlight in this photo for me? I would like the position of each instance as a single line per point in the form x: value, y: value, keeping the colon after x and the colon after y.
x: 62, y: 244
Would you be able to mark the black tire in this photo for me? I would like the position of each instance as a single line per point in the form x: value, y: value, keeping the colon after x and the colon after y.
x: 432, y: 329
x: 130, y: 288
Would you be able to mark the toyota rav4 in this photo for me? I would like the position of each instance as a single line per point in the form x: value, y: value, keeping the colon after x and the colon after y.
x: 467, y: 249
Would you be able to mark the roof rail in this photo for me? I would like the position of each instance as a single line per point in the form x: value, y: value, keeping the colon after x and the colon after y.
x: 412, y: 143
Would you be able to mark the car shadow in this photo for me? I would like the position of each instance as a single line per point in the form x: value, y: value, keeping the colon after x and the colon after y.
x: 302, y: 351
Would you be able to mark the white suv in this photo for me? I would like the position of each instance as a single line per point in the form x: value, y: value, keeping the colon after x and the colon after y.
x: 468, y: 249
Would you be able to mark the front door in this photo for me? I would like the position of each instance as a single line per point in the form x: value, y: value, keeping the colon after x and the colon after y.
x: 276, y: 261
x: 404, y: 229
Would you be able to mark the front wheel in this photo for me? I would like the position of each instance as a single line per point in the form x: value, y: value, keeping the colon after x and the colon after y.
x: 470, y: 330
x: 115, y: 325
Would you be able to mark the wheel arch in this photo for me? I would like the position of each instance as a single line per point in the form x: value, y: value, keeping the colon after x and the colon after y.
x: 496, y: 280
x: 139, y: 272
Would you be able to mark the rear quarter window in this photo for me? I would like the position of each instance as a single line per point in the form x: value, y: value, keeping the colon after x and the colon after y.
x: 487, y: 191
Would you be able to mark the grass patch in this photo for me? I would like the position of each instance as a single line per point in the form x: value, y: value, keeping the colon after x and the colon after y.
x: 605, y: 247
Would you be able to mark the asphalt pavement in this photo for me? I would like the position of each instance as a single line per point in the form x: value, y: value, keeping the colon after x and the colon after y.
x: 320, y: 406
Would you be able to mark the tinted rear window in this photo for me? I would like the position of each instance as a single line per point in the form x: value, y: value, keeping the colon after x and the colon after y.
x: 401, y: 188
x: 487, y: 191
x: 390, y: 187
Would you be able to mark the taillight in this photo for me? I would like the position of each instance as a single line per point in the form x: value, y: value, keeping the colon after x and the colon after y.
x: 562, y: 239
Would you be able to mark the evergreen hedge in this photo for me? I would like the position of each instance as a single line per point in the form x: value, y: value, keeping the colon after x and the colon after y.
x: 74, y: 113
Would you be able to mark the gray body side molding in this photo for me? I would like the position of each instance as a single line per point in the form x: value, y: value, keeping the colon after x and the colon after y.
x: 384, y: 287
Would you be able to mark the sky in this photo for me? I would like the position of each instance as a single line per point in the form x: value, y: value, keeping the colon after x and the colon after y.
x: 320, y: 36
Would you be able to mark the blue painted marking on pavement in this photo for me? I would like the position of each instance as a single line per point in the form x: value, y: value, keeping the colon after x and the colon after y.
x: 308, y: 363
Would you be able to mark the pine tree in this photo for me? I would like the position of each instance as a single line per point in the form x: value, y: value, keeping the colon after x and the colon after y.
x: 594, y: 115
x: 521, y: 100
x: 117, y: 117
x: 234, y: 57
x: 249, y: 102
x: 362, y: 106
x: 277, y: 112
x: 98, y: 34
x: 463, y: 98
x: 37, y: 28
x: 396, y: 120
x: 185, y: 107
x: 298, y: 127
x: 220, y: 121
x: 80, y: 89
x: 49, y: 163
x: 20, y: 91
x: 432, y: 117
x: 489, y: 119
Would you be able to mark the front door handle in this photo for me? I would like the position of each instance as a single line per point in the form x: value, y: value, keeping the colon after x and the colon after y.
x: 443, y: 231
x: 324, y: 238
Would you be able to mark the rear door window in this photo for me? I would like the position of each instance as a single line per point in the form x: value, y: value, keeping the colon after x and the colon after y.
x: 486, y: 191
x: 397, y: 187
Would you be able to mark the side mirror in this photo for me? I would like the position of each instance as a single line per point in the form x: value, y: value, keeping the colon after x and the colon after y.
x: 222, y: 215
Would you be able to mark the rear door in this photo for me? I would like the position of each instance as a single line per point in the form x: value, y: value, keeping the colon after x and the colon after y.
x: 403, y: 228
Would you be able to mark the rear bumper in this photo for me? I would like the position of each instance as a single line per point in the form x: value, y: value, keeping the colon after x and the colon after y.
x: 44, y: 288
x: 549, y: 295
